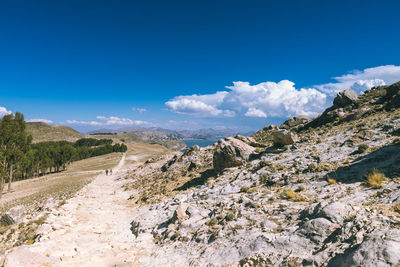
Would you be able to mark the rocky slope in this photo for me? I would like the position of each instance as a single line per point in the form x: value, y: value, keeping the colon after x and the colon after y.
x: 321, y: 192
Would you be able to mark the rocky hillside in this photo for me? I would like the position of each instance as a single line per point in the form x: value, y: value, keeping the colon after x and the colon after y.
x: 42, y: 132
x: 321, y: 192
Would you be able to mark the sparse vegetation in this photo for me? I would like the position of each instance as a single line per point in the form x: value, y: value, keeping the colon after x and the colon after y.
x: 288, y: 194
x: 331, y: 180
x: 375, y: 179
x: 362, y: 148
x: 396, y: 207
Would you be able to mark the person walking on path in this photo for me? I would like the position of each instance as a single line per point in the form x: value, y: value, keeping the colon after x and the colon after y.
x: 107, y: 172
x: 110, y: 171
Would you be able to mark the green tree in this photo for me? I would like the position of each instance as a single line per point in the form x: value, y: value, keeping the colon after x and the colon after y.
x: 14, y: 142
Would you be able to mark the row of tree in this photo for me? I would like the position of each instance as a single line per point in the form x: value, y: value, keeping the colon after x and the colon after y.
x: 20, y: 159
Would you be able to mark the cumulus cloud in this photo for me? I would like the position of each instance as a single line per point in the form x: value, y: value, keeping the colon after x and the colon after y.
x: 253, y: 112
x: 93, y: 123
x: 40, y: 120
x: 259, y: 100
x: 140, y: 110
x: 200, y: 105
x: 363, y: 80
x: 113, y: 120
x: 282, y: 99
x: 4, y: 111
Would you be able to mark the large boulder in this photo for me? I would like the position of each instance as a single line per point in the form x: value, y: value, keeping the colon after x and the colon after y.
x: 336, y: 212
x: 377, y: 249
x: 317, y: 229
x: 284, y: 137
x: 345, y: 98
x: 231, y: 152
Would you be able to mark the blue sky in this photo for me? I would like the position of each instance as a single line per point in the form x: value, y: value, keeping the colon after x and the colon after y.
x: 87, y: 64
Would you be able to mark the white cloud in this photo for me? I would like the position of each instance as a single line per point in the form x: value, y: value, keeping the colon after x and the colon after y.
x: 93, y: 123
x: 360, y: 81
x: 4, y: 111
x: 113, y: 120
x: 138, y: 122
x: 40, y: 120
x: 261, y: 100
x: 253, y: 112
x: 200, y: 105
x: 282, y: 99
x: 140, y: 110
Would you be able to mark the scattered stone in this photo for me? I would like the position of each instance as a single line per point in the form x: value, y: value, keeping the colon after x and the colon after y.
x: 16, y: 213
x: 135, y: 228
x: 180, y: 213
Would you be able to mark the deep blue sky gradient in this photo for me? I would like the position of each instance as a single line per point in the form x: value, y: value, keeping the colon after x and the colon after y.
x: 71, y: 59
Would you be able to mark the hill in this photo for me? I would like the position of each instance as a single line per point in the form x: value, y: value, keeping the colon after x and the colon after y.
x: 41, y: 132
x: 309, y: 192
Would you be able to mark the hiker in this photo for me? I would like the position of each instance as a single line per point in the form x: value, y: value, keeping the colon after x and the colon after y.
x: 110, y: 171
x: 107, y: 172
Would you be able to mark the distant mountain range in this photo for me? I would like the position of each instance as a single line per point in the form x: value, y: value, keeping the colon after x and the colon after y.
x: 166, y: 134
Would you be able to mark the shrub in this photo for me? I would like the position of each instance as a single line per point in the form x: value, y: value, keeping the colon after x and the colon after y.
x: 375, y: 179
x: 288, y: 194
x: 331, y: 180
x: 212, y: 222
x: 362, y: 148
x: 229, y: 217
x: 244, y: 189
x: 396, y: 207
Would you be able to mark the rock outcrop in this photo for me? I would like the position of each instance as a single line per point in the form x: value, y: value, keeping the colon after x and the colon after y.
x: 345, y: 98
x: 393, y: 96
x: 284, y: 137
x: 231, y: 152
x: 296, y: 121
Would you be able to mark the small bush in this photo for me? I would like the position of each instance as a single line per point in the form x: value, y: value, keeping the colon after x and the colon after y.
x: 288, y: 194
x: 300, y: 188
x: 396, y: 207
x: 362, y: 148
x: 229, y: 217
x: 244, y: 189
x: 375, y: 179
x: 212, y: 222
x: 331, y: 180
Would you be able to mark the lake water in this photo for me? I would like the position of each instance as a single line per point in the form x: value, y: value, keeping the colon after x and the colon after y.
x: 199, y: 142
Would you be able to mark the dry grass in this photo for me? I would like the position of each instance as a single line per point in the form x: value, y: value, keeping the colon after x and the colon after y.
x: 288, y: 194
x: 58, y: 185
x: 375, y: 179
x: 65, y: 184
x: 42, y: 132
x: 331, y: 180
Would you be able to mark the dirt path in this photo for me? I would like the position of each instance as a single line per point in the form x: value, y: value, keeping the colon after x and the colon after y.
x: 91, y: 229
x: 78, y: 174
